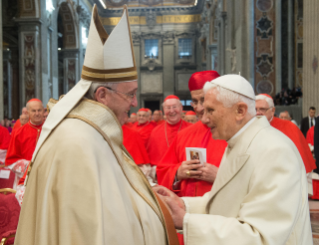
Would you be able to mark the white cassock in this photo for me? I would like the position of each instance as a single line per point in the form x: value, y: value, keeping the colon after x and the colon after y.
x: 259, y: 197
x: 84, y: 188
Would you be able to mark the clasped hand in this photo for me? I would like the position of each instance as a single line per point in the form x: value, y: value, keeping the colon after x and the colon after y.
x: 195, y: 170
x: 174, y: 203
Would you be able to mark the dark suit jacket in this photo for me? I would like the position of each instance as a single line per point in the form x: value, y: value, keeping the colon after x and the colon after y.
x: 304, y: 125
x: 316, y: 144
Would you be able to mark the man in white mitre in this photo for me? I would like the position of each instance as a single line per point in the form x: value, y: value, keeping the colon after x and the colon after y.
x: 82, y: 186
x: 260, y: 193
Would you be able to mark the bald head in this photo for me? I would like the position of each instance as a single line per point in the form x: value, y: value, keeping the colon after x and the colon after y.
x: 24, y: 119
x: 25, y: 111
x: 35, y: 111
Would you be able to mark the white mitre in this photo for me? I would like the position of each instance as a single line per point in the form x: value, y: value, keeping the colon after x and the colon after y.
x: 234, y: 83
x: 108, y: 58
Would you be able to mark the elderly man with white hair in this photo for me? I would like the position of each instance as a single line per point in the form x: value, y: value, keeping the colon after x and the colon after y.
x: 265, y: 107
x: 260, y: 193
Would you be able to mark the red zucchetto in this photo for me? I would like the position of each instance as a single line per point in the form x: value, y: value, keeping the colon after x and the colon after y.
x: 267, y: 95
x: 34, y: 99
x: 190, y: 113
x: 198, y: 79
x: 169, y: 97
x: 143, y: 109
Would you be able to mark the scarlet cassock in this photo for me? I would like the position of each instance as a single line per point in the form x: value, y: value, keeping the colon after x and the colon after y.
x: 144, y: 129
x: 162, y: 137
x: 4, y: 143
x: 293, y: 132
x: 197, y: 135
x: 21, y: 148
x: 16, y: 126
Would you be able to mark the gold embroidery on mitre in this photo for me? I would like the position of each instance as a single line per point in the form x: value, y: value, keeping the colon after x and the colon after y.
x: 106, y: 76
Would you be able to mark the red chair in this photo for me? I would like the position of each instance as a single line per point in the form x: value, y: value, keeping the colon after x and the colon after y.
x: 7, y: 183
x: 9, y: 215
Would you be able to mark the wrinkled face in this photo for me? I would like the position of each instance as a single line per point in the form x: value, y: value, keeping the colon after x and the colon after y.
x: 45, y: 114
x: 142, y: 117
x: 284, y: 116
x: 24, y: 119
x: 263, y: 109
x: 312, y: 113
x: 220, y: 119
x: 173, y: 111
x: 197, y: 102
x: 122, y: 99
x: 133, y: 118
x: 190, y: 118
x: 157, y: 116
x: 35, y: 111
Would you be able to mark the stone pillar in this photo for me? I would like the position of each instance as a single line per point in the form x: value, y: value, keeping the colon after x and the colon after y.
x: 137, y: 54
x: 30, y: 53
x: 290, y: 44
x: 7, y: 84
x: 168, y: 64
x: 278, y: 47
x: 1, y: 65
x: 310, y: 55
x: 70, y: 68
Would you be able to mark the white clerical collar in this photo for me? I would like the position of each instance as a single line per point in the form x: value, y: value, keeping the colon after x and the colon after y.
x: 243, y: 128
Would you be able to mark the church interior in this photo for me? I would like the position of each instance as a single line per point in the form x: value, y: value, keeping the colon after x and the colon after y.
x: 271, y: 43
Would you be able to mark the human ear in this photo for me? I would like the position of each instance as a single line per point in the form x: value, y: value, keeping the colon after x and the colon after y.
x: 101, y: 95
x: 241, y: 110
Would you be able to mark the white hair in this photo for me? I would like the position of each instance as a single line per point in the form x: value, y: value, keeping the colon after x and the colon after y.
x: 268, y: 100
x: 173, y: 99
x: 229, y: 98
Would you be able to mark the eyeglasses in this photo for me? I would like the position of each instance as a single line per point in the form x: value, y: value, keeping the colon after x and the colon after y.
x: 174, y: 107
x: 263, y: 110
x: 195, y: 103
x: 130, y: 96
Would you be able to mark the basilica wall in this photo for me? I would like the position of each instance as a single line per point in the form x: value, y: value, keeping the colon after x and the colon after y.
x: 310, y: 71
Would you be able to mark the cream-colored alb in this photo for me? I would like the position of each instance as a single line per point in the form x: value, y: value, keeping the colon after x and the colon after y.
x: 259, y: 197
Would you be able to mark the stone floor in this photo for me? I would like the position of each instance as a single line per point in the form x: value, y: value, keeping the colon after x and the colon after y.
x: 314, y: 216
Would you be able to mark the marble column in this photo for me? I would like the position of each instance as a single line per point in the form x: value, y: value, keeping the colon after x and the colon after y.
x: 310, y: 56
x: 70, y: 68
x: 290, y: 44
x: 168, y: 64
x: 278, y: 48
x: 1, y: 65
x: 29, y: 65
x: 7, y: 84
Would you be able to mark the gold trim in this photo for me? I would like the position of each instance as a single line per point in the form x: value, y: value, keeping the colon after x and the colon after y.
x: 106, y: 76
x: 5, y: 190
x: 118, y: 160
x: 165, y: 19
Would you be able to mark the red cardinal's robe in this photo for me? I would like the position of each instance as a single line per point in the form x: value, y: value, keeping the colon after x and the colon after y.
x: 161, y: 138
x: 311, y: 136
x: 23, y: 142
x: 197, y: 135
x: 4, y: 138
x: 135, y: 145
x: 159, y: 122
x: 144, y: 130
x: 16, y: 126
x: 294, y: 133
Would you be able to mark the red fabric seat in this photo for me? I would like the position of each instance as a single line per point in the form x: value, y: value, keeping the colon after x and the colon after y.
x: 7, y: 183
x: 9, y: 214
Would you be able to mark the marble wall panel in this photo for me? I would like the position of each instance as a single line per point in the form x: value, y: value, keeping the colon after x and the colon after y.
x: 152, y: 82
x: 182, y: 81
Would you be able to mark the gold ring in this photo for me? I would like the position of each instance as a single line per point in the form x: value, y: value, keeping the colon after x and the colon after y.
x: 188, y: 173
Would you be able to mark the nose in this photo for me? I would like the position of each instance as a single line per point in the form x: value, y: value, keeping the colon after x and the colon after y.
x: 205, y: 118
x: 258, y: 113
x: 200, y: 107
x: 134, y: 102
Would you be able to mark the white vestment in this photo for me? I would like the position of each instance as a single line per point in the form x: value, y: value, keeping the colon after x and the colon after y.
x: 259, y: 197
x: 84, y: 188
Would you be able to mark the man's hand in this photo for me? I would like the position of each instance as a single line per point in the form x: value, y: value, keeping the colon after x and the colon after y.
x: 174, y: 203
x: 209, y: 173
x: 189, y: 169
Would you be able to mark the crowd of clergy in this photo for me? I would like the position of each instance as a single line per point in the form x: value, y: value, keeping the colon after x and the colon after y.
x: 266, y: 199
x: 157, y: 141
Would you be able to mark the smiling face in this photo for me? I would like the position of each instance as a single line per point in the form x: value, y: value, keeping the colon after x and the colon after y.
x: 120, y: 99
x: 142, y: 117
x: 173, y: 111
